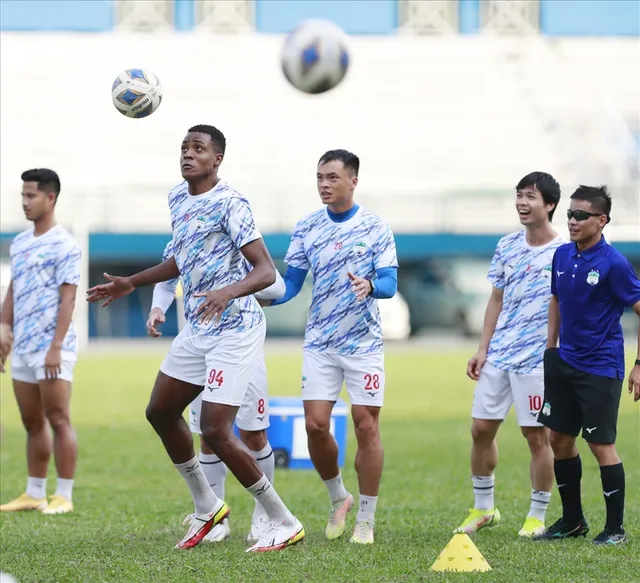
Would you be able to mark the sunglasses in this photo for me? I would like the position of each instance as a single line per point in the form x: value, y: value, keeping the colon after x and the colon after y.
x: 580, y: 215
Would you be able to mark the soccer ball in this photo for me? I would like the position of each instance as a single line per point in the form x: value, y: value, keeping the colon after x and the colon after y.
x: 136, y: 93
x: 315, y: 57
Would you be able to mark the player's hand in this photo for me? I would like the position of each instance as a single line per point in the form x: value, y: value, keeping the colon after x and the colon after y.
x: 634, y: 382
x: 6, y: 343
x: 52, y: 363
x: 475, y: 364
x: 360, y: 286
x: 212, y: 307
x: 118, y: 287
x: 156, y: 317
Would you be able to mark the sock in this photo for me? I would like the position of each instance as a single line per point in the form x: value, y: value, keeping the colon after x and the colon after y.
x: 204, y: 499
x: 266, y: 495
x: 215, y: 471
x: 483, y: 492
x: 64, y: 488
x: 539, y: 504
x: 568, y: 476
x: 367, y: 510
x: 613, y: 490
x: 266, y: 461
x: 336, y: 488
x: 36, y: 488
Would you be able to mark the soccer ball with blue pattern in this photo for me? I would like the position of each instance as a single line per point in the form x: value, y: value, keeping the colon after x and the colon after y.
x: 315, y: 58
x: 136, y: 93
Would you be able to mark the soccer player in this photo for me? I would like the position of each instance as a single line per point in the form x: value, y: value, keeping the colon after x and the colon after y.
x: 508, y: 363
x: 214, y: 236
x: 37, y: 324
x: 592, y: 283
x: 253, y: 415
x: 352, y: 257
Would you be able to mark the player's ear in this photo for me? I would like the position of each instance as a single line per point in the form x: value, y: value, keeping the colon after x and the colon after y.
x: 354, y: 181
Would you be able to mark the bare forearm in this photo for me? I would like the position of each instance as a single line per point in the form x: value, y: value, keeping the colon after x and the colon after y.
x: 7, y: 307
x: 638, y: 345
x: 259, y: 278
x: 65, y: 313
x: 491, y: 315
x: 156, y: 274
x: 553, y: 326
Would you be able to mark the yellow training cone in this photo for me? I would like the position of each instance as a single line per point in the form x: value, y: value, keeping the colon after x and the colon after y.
x: 460, y: 554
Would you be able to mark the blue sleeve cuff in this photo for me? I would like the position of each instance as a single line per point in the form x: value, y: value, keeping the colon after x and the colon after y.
x: 293, y: 279
x: 385, y: 285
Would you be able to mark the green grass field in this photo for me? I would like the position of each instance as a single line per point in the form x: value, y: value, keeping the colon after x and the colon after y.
x: 130, y: 500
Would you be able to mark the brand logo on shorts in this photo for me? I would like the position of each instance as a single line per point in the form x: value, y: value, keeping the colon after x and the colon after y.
x: 304, y: 382
x: 593, y: 277
x: 546, y: 410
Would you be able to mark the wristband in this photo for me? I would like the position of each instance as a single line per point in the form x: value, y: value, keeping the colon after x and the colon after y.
x: 638, y: 362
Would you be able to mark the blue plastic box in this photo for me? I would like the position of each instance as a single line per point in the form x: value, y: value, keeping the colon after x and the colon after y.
x: 288, y: 436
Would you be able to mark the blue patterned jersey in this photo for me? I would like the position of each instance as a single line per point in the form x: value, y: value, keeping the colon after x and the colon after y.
x: 524, y: 273
x: 166, y: 254
x: 208, y: 231
x: 39, y: 266
x: 361, y: 245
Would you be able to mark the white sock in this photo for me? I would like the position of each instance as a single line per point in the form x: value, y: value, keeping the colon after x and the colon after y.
x: 266, y: 495
x: 336, y: 488
x: 483, y: 492
x: 539, y: 504
x: 367, y: 510
x: 204, y: 499
x: 64, y: 488
x: 36, y: 488
x: 267, y: 462
x: 215, y: 471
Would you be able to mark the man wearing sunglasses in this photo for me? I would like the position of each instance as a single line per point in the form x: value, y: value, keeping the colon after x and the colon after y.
x: 592, y: 283
x: 508, y: 363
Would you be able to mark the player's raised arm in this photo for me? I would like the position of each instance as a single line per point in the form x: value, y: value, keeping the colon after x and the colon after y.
x: 634, y: 375
x: 118, y: 287
x: 6, y: 326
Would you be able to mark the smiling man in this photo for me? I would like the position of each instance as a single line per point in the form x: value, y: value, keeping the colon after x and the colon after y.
x: 508, y: 363
x: 37, y: 324
x: 592, y: 283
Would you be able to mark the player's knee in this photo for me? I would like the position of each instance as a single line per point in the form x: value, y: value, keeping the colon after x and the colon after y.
x: 317, y: 427
x: 563, y: 446
x: 537, y: 438
x: 158, y: 416
x: 483, y: 431
x: 217, y: 436
x: 366, y: 429
x: 34, y: 423
x: 605, y: 453
x: 254, y: 440
x: 58, y: 419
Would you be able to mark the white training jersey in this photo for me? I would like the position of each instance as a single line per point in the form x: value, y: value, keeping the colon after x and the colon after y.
x: 330, y: 250
x: 39, y: 266
x: 524, y: 273
x: 208, y: 231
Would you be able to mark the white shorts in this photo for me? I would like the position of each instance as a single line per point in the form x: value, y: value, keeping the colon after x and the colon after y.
x: 497, y: 390
x: 323, y: 374
x: 221, y: 364
x: 253, y: 414
x: 29, y: 368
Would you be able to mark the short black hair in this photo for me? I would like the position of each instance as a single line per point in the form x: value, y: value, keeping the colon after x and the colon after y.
x: 598, y: 196
x: 217, y: 137
x: 349, y: 159
x: 48, y: 180
x: 546, y: 185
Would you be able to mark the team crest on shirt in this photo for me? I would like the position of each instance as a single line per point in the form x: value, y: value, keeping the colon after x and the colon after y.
x: 359, y: 248
x: 546, y: 270
x: 593, y: 277
x: 201, y: 222
x: 304, y: 382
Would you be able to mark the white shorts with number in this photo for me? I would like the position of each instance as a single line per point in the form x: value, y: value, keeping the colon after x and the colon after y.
x: 29, y: 368
x: 221, y: 364
x: 497, y: 390
x: 253, y: 414
x: 324, y: 372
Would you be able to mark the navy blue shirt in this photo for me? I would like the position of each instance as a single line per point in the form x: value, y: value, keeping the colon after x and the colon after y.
x: 593, y: 288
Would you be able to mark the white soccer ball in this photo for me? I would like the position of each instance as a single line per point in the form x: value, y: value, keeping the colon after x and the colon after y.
x: 136, y: 93
x: 315, y: 57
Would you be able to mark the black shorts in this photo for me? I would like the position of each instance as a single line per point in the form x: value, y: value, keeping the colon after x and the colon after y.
x: 574, y: 400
